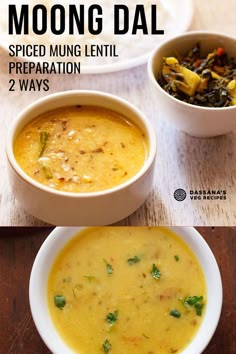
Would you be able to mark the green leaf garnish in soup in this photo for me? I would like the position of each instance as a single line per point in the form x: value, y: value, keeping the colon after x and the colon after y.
x: 109, y: 267
x: 156, y: 274
x: 43, y: 141
x: 199, y: 308
x: 112, y: 318
x: 176, y: 257
x: 59, y: 301
x: 196, y: 302
x: 106, y: 346
x: 175, y: 313
x: 133, y: 260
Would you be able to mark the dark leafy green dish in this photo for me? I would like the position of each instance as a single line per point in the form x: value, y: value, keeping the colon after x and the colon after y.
x: 203, y: 81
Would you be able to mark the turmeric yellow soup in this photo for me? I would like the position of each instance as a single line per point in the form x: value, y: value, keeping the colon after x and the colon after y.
x: 126, y: 290
x: 81, y: 149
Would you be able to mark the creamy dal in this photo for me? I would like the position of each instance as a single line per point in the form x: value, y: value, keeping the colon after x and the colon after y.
x: 131, y: 290
x: 81, y: 149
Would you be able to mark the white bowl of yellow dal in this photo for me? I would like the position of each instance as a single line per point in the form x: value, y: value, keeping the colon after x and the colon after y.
x: 125, y: 289
x: 81, y: 158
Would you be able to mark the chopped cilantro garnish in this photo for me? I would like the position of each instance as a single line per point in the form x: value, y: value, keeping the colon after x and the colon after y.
x: 176, y: 257
x: 196, y: 302
x: 112, y: 318
x: 193, y: 300
x: 199, y: 308
x: 155, y: 272
x: 59, y: 301
x: 133, y: 260
x: 109, y: 267
x: 106, y: 346
x: 175, y: 313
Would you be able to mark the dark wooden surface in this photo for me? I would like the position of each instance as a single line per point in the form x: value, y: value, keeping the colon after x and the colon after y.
x: 18, y: 248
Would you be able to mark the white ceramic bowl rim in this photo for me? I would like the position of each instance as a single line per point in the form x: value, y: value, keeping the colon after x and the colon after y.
x: 172, y: 40
x: 61, y: 235
x: 144, y: 169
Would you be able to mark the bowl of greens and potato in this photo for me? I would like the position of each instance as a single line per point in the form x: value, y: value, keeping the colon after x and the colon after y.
x: 194, y: 80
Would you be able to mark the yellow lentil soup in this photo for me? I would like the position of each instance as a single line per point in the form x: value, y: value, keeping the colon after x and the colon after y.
x: 81, y: 149
x: 126, y: 290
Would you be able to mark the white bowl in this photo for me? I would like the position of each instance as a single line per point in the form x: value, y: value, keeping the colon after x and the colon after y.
x: 76, y: 209
x: 60, y: 236
x: 194, y: 120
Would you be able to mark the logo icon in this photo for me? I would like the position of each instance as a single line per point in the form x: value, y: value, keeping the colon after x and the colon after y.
x: 180, y: 195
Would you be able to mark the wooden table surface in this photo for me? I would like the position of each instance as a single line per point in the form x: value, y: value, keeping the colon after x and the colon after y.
x: 182, y: 161
x: 18, y: 248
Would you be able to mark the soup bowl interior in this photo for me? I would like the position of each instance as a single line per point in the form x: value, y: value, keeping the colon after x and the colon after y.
x: 194, y: 120
x: 60, y: 236
x: 92, y: 208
